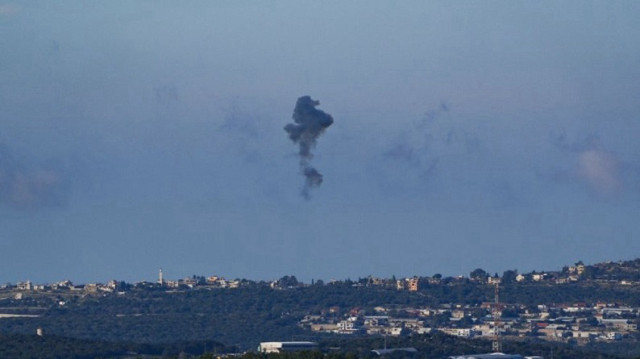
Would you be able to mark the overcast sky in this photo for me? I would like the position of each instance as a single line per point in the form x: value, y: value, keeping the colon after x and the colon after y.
x: 136, y: 135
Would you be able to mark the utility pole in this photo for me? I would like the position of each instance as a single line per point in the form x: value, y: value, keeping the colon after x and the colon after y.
x: 496, y: 346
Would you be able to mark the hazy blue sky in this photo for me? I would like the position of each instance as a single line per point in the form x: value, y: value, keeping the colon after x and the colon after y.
x: 136, y: 135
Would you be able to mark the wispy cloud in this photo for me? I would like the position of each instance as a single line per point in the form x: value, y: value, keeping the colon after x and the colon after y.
x: 420, y: 145
x: 28, y: 188
x: 593, y: 164
x: 601, y: 170
x: 8, y: 9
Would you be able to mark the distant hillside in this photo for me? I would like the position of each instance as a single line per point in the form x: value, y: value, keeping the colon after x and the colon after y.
x: 622, y: 270
x: 261, y: 311
x: 248, y: 315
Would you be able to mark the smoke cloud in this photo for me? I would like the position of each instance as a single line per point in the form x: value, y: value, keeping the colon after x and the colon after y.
x: 309, y: 124
x: 599, y: 168
x: 24, y: 189
x: 415, y: 144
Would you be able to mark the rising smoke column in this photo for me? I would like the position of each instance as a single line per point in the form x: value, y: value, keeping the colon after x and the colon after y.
x: 309, y: 124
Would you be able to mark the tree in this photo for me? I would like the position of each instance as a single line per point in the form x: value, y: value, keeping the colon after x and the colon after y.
x: 478, y: 274
x: 288, y: 281
x: 509, y: 276
x: 592, y: 321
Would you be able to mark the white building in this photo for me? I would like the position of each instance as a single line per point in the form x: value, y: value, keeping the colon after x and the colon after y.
x: 488, y: 356
x: 279, y: 347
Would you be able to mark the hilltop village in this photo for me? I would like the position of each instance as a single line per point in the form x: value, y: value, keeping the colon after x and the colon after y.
x: 579, y: 304
x: 565, y: 321
x: 577, y: 322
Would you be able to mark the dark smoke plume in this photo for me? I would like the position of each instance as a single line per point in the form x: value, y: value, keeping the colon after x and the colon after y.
x: 309, y: 124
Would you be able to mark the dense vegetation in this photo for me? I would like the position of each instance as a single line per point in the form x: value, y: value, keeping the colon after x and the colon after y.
x: 431, y: 346
x: 247, y: 315
x: 428, y: 346
x: 440, y: 345
x: 18, y: 346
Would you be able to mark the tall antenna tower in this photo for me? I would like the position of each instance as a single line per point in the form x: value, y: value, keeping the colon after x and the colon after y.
x: 496, y: 346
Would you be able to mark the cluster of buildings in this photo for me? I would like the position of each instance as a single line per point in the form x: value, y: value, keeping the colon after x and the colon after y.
x: 65, y: 285
x: 577, y: 322
x: 191, y: 282
x: 114, y: 286
x: 602, y: 272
